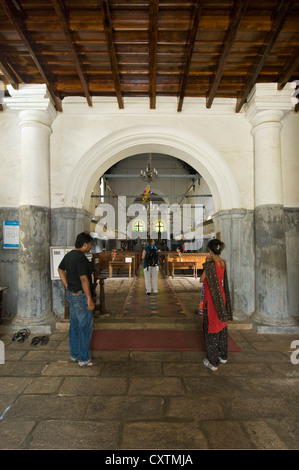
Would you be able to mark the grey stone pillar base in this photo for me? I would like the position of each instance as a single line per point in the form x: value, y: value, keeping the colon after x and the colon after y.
x: 268, y: 324
x: 44, y: 325
x: 240, y: 316
x: 292, y: 243
x: 236, y: 231
x: 271, y: 292
x: 34, y: 287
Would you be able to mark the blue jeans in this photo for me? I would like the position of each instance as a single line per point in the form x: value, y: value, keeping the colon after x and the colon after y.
x: 81, y: 326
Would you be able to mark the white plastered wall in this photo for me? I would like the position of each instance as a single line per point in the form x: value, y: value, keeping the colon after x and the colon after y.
x: 87, y: 141
x: 10, y: 140
x: 290, y: 159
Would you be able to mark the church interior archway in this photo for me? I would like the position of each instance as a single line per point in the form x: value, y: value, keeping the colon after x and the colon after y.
x: 175, y: 184
x: 190, y: 148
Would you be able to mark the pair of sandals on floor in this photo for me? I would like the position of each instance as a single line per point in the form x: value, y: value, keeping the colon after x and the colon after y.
x: 23, y: 334
x: 43, y: 340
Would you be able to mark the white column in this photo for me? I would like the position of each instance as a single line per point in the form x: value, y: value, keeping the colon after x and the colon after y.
x: 266, y: 127
x: 265, y: 111
x: 36, y: 113
x: 35, y: 128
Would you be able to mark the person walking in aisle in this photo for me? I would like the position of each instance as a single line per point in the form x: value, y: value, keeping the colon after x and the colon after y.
x: 216, y: 306
x: 75, y: 274
x: 150, y: 257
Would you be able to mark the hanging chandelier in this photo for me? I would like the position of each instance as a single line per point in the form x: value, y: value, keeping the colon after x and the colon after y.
x: 149, y: 174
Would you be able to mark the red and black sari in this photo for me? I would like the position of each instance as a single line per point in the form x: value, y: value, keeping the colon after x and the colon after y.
x: 217, y: 310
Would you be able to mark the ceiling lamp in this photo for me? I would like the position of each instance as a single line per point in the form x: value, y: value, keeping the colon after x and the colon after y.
x: 149, y: 174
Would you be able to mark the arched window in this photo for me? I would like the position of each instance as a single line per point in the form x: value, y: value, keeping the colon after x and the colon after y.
x: 159, y: 226
x: 139, y: 226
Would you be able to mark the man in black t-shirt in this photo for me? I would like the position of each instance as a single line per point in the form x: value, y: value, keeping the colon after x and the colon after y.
x: 76, y: 265
x: 75, y: 274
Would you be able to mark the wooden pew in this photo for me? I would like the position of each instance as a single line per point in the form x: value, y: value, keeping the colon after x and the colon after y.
x: 170, y: 256
x: 183, y: 265
x: 120, y: 264
x: 103, y: 259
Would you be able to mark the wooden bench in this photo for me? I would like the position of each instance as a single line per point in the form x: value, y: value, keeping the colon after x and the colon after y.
x: 183, y: 265
x: 102, y: 259
x: 168, y: 257
x: 120, y: 264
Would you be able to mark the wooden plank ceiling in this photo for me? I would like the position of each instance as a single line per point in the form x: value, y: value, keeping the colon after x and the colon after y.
x: 122, y: 48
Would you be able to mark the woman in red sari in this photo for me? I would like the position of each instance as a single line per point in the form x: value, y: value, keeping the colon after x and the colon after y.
x: 216, y: 306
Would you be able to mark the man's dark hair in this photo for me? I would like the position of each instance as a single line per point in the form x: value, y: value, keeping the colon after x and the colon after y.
x: 82, y: 238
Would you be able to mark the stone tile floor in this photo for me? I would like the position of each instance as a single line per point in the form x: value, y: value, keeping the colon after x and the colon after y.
x: 150, y: 400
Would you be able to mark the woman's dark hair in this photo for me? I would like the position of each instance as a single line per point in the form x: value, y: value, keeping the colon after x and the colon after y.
x: 216, y: 246
x: 83, y: 238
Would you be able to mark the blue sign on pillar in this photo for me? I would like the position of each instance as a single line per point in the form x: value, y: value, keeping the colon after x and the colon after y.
x: 11, y: 234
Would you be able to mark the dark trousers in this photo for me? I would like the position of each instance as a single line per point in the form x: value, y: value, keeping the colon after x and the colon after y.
x: 216, y: 343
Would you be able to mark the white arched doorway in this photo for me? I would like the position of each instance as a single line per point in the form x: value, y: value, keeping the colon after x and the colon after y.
x: 156, y: 139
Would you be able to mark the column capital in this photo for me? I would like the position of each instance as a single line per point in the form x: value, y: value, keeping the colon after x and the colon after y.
x: 35, y: 117
x: 32, y: 99
x: 266, y: 104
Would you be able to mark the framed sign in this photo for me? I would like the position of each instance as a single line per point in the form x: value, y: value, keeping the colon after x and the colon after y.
x: 56, y: 255
x: 11, y: 231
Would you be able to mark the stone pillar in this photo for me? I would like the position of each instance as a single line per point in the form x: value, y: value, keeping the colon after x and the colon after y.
x: 236, y: 231
x: 265, y: 112
x: 66, y: 223
x: 34, y: 307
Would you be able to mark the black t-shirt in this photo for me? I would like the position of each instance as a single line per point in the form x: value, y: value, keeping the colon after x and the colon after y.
x: 75, y: 264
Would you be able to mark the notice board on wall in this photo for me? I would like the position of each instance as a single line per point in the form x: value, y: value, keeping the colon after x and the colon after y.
x: 56, y: 255
x: 11, y: 233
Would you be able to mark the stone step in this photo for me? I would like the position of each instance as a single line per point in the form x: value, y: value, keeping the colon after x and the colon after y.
x: 154, y: 324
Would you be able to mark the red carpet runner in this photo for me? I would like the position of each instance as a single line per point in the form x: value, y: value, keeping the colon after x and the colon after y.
x: 166, y: 304
x: 151, y: 340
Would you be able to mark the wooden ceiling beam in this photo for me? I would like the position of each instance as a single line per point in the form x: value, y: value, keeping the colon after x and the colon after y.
x: 289, y: 70
x: 283, y: 10
x: 155, y: 48
x: 112, y: 52
x: 189, y: 51
x: 62, y: 17
x: 240, y: 7
x: 153, y: 41
x: 8, y: 72
x: 18, y: 23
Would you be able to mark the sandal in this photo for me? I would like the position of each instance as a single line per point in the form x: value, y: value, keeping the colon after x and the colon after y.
x: 44, y: 340
x: 21, y: 335
x: 86, y: 364
x: 209, y: 365
x: 35, y: 341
